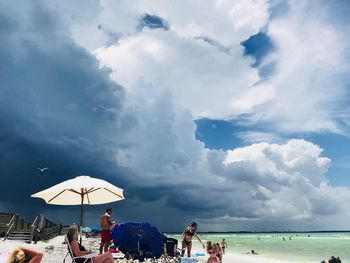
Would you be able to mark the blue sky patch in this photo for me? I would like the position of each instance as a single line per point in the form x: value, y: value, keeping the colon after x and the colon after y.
x: 258, y: 46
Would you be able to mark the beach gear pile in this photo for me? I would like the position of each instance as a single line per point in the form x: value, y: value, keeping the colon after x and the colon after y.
x: 138, y: 239
x: 332, y: 259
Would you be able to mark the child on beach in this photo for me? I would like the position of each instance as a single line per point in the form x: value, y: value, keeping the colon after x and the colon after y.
x: 72, y: 235
x: 219, y: 251
x: 213, y: 256
x: 211, y: 246
x: 25, y: 255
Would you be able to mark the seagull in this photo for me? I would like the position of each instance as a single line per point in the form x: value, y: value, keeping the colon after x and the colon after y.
x: 42, y: 169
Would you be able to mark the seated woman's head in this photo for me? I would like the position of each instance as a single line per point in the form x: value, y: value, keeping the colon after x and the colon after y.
x: 72, y: 233
x: 17, y: 256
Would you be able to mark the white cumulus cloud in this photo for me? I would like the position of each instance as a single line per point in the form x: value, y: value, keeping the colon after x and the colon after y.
x: 308, y: 87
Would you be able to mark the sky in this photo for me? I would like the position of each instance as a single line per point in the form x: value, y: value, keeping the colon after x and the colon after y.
x: 235, y: 114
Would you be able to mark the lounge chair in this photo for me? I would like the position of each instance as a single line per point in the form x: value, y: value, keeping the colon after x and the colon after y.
x: 171, y: 252
x: 87, y: 257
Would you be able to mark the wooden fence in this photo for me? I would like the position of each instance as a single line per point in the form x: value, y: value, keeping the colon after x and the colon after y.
x: 5, y: 218
x: 44, y: 229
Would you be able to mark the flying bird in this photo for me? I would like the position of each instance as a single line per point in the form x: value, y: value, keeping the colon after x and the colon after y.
x: 42, y: 169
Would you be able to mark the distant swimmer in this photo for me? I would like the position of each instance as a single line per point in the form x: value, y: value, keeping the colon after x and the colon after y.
x: 332, y: 260
x: 253, y: 252
x: 43, y: 169
x: 283, y: 239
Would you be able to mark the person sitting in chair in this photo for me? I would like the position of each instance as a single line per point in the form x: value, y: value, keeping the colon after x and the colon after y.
x: 73, y: 235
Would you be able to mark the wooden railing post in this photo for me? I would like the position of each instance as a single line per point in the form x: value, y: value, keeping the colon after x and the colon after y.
x: 10, y: 225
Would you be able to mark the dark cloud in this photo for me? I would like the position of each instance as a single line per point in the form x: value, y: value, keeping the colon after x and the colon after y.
x: 57, y: 109
x: 321, y: 209
x: 60, y: 110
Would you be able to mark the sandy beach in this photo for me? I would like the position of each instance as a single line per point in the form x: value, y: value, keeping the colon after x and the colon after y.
x: 55, y: 251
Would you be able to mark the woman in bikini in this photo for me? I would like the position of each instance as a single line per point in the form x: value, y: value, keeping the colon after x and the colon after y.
x: 187, y: 235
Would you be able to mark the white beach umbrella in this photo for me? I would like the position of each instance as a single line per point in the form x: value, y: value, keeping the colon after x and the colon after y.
x: 82, y: 190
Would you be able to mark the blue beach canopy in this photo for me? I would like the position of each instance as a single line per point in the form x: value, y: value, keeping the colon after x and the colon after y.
x: 132, y: 236
x: 95, y: 229
x: 86, y: 229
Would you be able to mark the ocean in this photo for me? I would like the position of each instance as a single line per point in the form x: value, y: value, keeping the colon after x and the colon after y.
x: 296, y: 247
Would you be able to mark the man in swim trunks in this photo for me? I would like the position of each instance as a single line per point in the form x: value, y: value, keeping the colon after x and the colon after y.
x: 106, y: 224
x: 187, y: 235
x: 223, y: 245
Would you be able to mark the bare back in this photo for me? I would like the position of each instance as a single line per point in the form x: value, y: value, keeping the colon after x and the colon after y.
x: 105, y: 221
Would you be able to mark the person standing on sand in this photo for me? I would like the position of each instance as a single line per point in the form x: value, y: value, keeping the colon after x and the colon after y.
x: 223, y: 245
x: 106, y: 224
x: 25, y: 255
x: 187, y: 235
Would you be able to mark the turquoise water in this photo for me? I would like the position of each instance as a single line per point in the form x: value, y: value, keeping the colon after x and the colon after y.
x: 300, y: 247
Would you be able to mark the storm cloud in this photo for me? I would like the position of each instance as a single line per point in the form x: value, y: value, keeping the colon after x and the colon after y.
x: 117, y: 113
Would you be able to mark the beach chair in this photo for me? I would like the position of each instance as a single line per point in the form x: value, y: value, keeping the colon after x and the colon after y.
x: 171, y: 252
x: 85, y: 258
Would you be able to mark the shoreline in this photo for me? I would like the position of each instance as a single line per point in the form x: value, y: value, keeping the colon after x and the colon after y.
x: 231, y: 257
x: 263, y: 232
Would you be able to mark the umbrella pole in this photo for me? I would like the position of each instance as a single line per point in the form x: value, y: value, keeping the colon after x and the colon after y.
x: 81, y: 215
